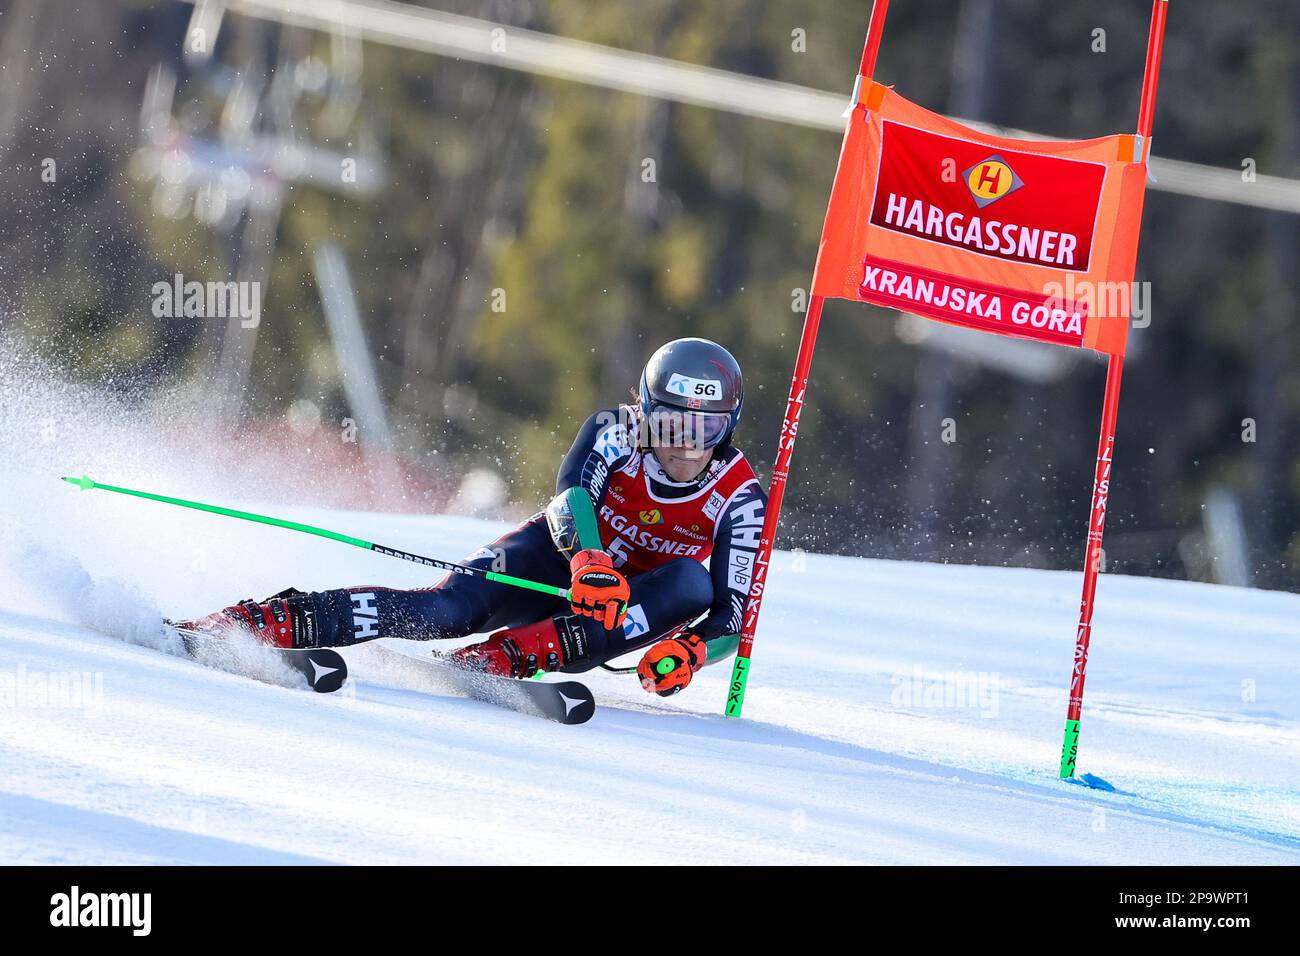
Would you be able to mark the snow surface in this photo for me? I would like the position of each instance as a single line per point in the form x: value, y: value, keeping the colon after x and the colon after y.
x: 177, y: 763
x: 1193, y: 707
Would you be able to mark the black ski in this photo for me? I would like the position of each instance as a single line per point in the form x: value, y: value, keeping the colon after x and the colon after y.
x: 566, y: 702
x: 323, y: 667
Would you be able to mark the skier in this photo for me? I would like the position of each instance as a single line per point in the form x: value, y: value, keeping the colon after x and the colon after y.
x: 647, y: 493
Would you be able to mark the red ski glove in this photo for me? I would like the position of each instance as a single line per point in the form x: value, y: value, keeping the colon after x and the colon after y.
x: 598, y: 590
x: 668, y: 666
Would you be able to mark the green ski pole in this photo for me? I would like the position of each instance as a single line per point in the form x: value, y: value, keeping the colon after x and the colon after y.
x: 86, y: 484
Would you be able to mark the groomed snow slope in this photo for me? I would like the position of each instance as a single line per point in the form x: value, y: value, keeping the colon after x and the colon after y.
x: 848, y: 752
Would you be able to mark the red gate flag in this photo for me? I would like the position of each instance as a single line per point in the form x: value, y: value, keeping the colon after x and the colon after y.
x: 1025, y: 238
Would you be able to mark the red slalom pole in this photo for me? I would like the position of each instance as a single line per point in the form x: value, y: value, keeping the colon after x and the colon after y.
x: 1106, y: 443
x: 775, y: 495
x: 1092, y: 561
x: 790, y: 428
x: 1151, y: 75
x: 875, y: 30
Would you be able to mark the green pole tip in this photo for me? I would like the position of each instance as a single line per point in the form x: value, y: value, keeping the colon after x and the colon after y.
x: 84, y: 482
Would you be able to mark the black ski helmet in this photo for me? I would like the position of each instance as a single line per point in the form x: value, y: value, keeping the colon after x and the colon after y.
x: 695, y: 375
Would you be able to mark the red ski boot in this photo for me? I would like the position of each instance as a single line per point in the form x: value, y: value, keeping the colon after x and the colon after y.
x: 286, y: 620
x: 547, y: 645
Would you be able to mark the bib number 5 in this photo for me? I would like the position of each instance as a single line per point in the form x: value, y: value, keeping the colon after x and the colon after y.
x: 618, y: 550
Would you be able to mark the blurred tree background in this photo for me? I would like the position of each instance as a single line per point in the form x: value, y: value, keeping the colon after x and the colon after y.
x: 532, y: 240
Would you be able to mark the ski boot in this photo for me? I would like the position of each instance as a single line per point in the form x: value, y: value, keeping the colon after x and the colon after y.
x: 546, y: 645
x: 286, y: 620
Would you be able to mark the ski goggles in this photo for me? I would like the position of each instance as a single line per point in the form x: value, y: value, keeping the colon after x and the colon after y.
x: 669, y: 426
